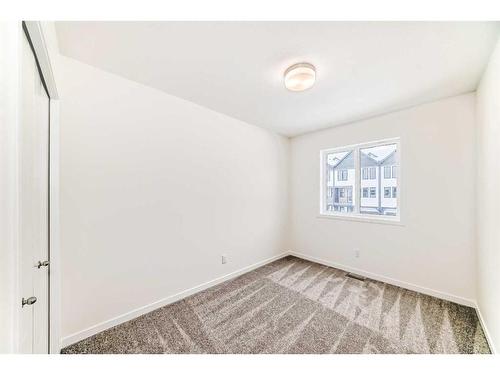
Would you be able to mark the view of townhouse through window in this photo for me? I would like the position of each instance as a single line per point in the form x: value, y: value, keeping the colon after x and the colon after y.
x: 376, y: 180
x: 340, y: 186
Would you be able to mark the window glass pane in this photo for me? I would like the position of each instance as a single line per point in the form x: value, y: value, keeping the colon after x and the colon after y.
x: 343, y: 175
x: 365, y: 192
x: 340, y: 182
x: 387, y: 172
x: 394, y: 172
x: 381, y: 161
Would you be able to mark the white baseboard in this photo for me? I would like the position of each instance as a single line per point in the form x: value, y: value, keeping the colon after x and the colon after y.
x: 485, y: 330
x: 78, y: 336
x: 388, y: 280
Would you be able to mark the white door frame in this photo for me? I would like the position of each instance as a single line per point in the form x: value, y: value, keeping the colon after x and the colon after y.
x: 36, y: 34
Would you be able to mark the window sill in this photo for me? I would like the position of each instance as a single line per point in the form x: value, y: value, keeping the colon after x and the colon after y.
x: 365, y: 219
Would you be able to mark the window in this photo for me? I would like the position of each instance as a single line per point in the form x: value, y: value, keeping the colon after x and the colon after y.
x: 342, y: 175
x: 394, y: 171
x: 390, y: 171
x: 366, y: 182
x: 373, y: 173
x: 387, y: 172
x: 365, y: 173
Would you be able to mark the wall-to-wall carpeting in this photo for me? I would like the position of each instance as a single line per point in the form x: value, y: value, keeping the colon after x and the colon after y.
x: 296, y: 306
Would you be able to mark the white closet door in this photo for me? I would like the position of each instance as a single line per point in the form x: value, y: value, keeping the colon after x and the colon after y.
x: 33, y: 220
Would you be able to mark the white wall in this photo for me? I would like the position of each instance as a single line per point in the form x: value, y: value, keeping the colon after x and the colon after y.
x: 488, y: 215
x: 153, y: 190
x: 434, y: 249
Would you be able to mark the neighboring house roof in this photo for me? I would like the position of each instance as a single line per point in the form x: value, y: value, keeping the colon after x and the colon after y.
x: 382, y: 153
x: 346, y: 160
x: 335, y: 159
x: 390, y: 159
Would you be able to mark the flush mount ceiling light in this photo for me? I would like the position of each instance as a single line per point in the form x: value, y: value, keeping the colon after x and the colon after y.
x: 300, y: 77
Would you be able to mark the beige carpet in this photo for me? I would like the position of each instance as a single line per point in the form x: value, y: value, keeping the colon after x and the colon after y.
x: 296, y: 306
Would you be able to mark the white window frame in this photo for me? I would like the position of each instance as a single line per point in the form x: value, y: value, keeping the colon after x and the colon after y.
x: 357, y: 190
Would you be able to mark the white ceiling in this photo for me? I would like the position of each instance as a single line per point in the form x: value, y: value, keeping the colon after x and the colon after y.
x: 236, y: 68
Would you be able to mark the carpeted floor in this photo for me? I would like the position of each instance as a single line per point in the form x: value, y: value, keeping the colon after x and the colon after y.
x: 296, y: 306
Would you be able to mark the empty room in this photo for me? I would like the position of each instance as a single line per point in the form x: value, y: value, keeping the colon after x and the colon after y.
x: 250, y: 187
